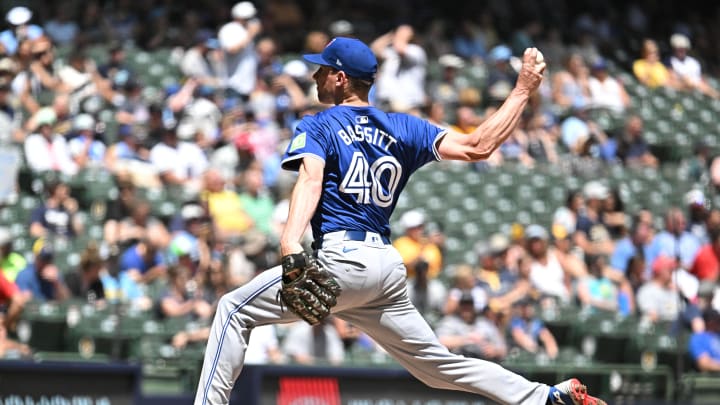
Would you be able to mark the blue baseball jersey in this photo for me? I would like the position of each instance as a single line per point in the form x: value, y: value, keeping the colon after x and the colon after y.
x: 369, y: 155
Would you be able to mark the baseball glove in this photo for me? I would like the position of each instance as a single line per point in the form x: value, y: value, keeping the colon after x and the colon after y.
x: 307, y: 290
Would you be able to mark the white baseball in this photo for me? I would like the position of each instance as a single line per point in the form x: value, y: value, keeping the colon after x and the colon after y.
x: 539, y: 58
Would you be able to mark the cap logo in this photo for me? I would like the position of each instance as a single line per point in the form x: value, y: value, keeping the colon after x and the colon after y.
x: 337, y: 62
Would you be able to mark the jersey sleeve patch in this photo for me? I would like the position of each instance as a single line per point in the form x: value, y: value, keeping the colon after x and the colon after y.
x: 298, y: 142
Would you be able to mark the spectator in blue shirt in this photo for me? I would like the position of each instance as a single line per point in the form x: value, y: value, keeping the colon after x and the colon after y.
x: 42, y: 279
x: 19, y: 29
x: 529, y: 333
x: 637, y: 242
x: 144, y: 261
x: 675, y: 240
x: 633, y: 149
x: 704, y: 347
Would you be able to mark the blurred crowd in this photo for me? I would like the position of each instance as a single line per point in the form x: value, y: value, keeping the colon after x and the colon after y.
x: 211, y: 141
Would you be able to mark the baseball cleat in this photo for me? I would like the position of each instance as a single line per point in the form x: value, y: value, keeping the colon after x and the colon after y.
x: 572, y: 392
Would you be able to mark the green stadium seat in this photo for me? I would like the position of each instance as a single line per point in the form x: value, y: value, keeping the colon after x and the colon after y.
x: 43, y: 326
x: 699, y: 388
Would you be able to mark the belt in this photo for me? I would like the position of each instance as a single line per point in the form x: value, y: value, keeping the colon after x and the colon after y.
x: 359, y: 236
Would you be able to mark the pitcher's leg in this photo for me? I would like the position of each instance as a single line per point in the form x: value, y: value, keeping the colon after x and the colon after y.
x: 238, y: 312
x: 406, y: 336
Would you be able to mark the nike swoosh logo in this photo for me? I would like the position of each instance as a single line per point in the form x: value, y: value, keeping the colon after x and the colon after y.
x: 348, y: 250
x: 558, y: 400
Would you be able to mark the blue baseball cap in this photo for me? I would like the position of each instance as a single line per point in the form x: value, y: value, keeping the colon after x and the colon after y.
x: 500, y: 53
x: 350, y: 55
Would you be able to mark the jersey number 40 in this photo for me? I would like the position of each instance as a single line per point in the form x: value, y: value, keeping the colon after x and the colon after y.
x: 374, y: 183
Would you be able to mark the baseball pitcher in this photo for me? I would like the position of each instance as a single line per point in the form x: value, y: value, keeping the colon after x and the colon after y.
x: 353, y: 161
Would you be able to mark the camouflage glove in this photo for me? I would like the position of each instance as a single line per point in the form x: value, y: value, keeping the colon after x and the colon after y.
x: 307, y: 290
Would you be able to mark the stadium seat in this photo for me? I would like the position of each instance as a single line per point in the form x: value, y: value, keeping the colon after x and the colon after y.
x: 43, y: 326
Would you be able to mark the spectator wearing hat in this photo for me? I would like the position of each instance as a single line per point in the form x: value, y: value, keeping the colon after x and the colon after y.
x: 501, y: 75
x: 19, y: 30
x: 42, y: 278
x: 45, y: 149
x: 414, y: 248
x: 204, y: 61
x: 606, y: 92
x: 467, y: 332
x: 237, y: 43
x: 529, y: 333
x: 659, y: 300
x: 499, y: 283
x: 60, y: 107
x: 84, y: 283
x: 567, y: 253
x: 85, y: 149
x: 57, y: 215
x: 688, y: 69
x: 402, y: 69
x: 547, y: 274
x: 591, y: 234
x: 704, y: 347
x: 190, y: 243
x: 446, y: 90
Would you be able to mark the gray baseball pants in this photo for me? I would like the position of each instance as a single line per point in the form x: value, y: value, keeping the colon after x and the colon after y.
x: 374, y: 298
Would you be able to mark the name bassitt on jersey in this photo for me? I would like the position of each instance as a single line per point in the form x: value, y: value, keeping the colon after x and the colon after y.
x: 369, y: 156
